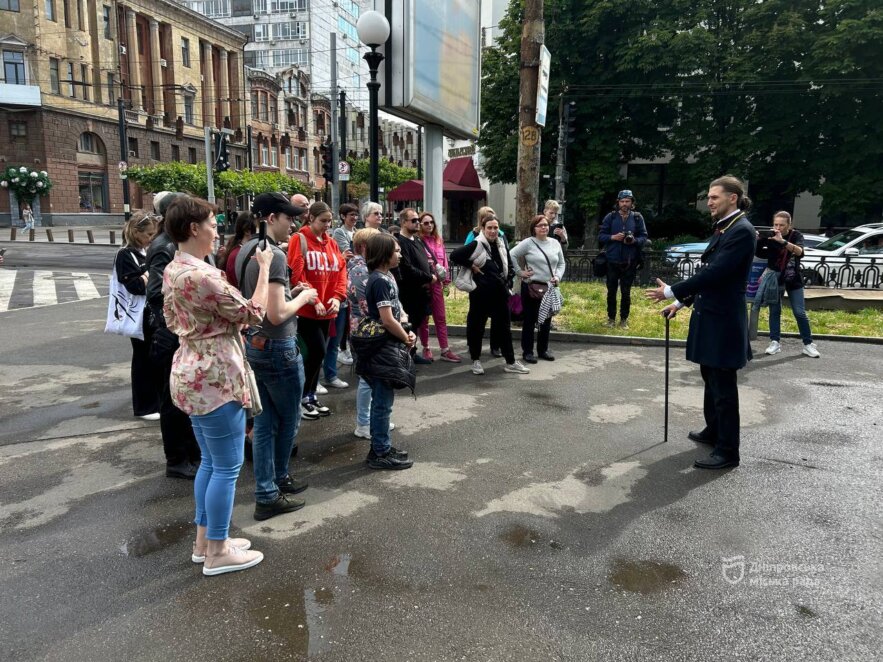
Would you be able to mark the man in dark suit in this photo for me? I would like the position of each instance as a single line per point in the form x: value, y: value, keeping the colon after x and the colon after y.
x: 718, y: 336
x: 413, y: 275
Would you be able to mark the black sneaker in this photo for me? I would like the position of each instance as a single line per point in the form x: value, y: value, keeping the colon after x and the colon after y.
x: 529, y: 358
x: 186, y: 470
x: 308, y: 411
x: 290, y: 486
x: 282, y: 504
x: 496, y: 353
x: 402, y: 455
x: 321, y: 409
x: 389, y: 461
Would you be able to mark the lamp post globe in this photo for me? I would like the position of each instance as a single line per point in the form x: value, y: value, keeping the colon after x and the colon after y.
x: 373, y: 30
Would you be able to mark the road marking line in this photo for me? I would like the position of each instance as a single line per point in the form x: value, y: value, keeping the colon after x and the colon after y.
x: 85, y: 286
x: 7, y: 282
x: 44, y: 289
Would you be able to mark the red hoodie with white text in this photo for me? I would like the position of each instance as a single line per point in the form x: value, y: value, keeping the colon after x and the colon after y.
x: 323, y: 267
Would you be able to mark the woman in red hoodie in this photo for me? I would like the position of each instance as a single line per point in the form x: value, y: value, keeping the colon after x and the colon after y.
x: 314, y: 258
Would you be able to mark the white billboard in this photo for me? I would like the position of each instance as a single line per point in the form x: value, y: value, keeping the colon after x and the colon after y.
x: 432, y: 70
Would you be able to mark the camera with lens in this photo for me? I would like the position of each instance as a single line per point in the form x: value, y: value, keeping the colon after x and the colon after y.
x: 629, y: 238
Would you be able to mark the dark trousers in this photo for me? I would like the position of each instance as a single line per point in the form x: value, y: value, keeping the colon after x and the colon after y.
x: 531, y: 314
x: 620, y: 275
x: 721, y: 408
x: 145, y: 392
x: 314, y: 336
x: 495, y: 308
x: 178, y: 441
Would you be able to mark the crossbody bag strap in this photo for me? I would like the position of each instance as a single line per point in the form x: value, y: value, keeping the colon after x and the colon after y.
x: 548, y: 263
x: 245, y: 264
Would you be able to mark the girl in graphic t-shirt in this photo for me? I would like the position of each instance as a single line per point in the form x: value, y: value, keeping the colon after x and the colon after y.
x: 382, y: 253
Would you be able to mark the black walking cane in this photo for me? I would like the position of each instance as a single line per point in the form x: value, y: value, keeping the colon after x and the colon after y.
x: 667, y: 322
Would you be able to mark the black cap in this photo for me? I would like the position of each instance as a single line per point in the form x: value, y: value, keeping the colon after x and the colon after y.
x: 274, y: 203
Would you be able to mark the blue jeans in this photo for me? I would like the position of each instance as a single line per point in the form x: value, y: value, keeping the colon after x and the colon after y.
x: 221, y: 438
x: 279, y: 371
x: 382, y: 397
x: 798, y: 307
x: 330, y: 364
x: 363, y: 403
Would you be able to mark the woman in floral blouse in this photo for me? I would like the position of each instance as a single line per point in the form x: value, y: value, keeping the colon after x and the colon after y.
x: 208, y: 374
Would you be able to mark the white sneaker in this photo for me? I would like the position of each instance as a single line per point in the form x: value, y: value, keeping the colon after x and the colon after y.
x: 516, y: 367
x: 363, y: 431
x: 337, y: 382
x: 345, y: 357
x: 150, y: 417
x: 811, y: 351
x: 321, y: 390
x: 476, y: 368
x: 774, y: 348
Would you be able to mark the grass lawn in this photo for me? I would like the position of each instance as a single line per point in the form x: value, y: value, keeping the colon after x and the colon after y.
x: 585, y: 311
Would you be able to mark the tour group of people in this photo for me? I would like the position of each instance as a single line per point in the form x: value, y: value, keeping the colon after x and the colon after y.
x: 243, y: 340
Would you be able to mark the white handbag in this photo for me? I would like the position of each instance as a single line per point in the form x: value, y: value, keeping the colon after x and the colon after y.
x: 464, y: 280
x: 125, y: 311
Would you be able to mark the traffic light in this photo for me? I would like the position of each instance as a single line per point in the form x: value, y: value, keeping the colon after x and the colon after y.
x: 327, y: 151
x: 569, y: 121
x: 222, y: 155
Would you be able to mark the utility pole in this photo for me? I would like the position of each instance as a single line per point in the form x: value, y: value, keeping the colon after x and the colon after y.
x: 532, y: 37
x: 335, y: 199
x: 342, y: 132
x: 209, y: 174
x: 124, y: 156
x: 566, y: 118
x: 419, y: 152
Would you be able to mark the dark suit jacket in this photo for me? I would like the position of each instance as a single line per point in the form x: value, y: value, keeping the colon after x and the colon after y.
x: 160, y: 252
x: 412, y: 274
x: 718, y: 336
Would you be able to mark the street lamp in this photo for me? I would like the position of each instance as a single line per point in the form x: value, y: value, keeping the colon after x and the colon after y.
x: 373, y: 29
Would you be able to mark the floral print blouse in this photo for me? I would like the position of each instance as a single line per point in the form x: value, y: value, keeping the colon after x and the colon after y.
x: 206, y: 313
x: 357, y: 278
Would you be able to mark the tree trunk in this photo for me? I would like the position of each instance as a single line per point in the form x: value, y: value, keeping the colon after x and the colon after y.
x: 532, y: 36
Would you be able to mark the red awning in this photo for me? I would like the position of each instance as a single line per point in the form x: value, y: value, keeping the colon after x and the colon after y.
x: 460, y: 181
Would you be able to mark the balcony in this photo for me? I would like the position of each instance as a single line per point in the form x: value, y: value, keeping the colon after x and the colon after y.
x: 20, y: 95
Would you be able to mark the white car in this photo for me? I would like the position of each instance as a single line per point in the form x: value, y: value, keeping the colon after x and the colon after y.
x: 853, y: 258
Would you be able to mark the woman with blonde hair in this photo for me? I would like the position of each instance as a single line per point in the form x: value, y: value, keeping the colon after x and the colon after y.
x: 131, y: 270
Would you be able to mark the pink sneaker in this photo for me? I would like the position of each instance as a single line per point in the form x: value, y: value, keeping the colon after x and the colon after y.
x: 448, y: 355
x: 427, y: 354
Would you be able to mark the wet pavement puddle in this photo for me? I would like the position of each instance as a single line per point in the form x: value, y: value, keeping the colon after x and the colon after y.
x: 519, y: 536
x: 645, y: 576
x: 156, y: 539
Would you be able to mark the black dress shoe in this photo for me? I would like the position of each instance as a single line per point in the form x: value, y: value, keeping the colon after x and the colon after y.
x: 399, y: 453
x: 700, y: 438
x: 390, y: 461
x: 282, y: 504
x: 290, y: 486
x: 547, y: 356
x: 496, y: 353
x: 529, y: 358
x: 716, y: 462
x: 186, y: 470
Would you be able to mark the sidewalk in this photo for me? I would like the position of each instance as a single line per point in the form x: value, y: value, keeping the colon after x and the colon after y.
x: 103, y: 235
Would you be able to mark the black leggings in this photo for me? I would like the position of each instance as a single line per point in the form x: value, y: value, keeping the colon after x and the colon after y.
x: 314, y: 336
x: 531, y: 314
x: 495, y: 307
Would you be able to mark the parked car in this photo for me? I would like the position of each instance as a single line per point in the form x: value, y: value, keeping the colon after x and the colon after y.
x: 852, y: 258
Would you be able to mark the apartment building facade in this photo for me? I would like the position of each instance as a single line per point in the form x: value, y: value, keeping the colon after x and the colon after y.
x: 67, y: 62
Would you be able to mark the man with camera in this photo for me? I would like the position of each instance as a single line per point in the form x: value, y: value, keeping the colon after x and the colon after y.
x: 623, y: 233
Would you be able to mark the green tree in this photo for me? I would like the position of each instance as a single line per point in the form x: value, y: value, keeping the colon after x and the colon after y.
x: 191, y: 178
x: 389, y: 174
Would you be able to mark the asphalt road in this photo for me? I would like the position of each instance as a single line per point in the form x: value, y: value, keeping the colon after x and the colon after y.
x: 62, y: 256
x: 543, y: 519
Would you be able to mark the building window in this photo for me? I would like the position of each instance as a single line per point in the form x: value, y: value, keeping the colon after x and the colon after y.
x: 188, y: 110
x: 239, y: 162
x: 283, y: 6
x: 176, y: 153
x: 347, y: 29
x: 288, y: 164
x: 87, y: 143
x: 72, y: 90
x: 9, y: 5
x: 262, y: 32
x: 80, y: 23
x: 93, y: 191
x: 212, y: 8
x: 304, y: 163
x: 185, y: 52
x: 191, y: 154
x: 14, y: 67
x: 50, y: 10
x: 133, y: 147
x: 265, y: 154
x: 18, y: 129
x: 274, y: 157
x: 106, y: 16
x: 254, y: 104
x: 111, y: 90
x: 84, y: 76
x: 262, y: 102
x: 274, y: 110
x: 67, y: 13
x: 154, y: 150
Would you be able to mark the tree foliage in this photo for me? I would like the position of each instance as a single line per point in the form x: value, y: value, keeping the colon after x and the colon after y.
x: 191, y: 178
x: 784, y: 93
x: 389, y: 174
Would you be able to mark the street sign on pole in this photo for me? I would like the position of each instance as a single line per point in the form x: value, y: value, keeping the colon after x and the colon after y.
x: 543, y: 85
x: 343, y: 171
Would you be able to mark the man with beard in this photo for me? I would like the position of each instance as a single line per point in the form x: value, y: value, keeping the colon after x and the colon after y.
x: 413, y: 275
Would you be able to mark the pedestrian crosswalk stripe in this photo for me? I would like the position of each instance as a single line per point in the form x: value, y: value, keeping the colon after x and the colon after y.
x: 32, y: 289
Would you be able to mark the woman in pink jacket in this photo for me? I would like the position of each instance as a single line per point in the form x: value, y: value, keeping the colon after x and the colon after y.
x: 438, y: 260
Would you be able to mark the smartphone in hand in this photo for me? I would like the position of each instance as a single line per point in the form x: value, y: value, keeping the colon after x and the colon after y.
x: 262, y: 235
